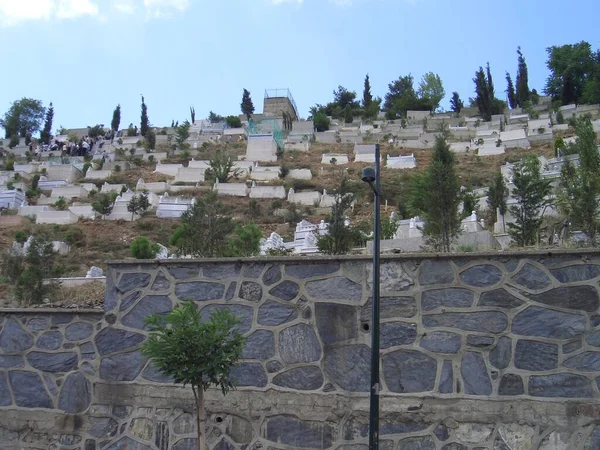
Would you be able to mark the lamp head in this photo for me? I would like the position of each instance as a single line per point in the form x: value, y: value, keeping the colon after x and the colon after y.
x: 368, y: 175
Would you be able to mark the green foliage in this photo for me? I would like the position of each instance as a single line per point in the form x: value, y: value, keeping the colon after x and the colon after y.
x: 340, y: 238
x: 131, y: 131
x: 233, y: 122
x: 560, y: 118
x: 144, y: 248
x: 510, y: 92
x: 245, y: 241
x: 497, y: 197
x: 348, y: 115
x: 215, y: 118
x: 367, y: 96
x: 144, y: 122
x: 559, y: 145
x: 247, y: 106
x: 456, y: 104
x: 389, y: 227
x: 431, y: 90
x: 321, y: 122
x: 21, y: 237
x: 95, y: 131
x: 221, y: 167
x: 522, y: 85
x: 254, y: 209
x: 192, y: 114
x: 204, y: 228
x: 402, y: 97
x: 47, y: 130
x: 116, y: 119
x: 435, y: 195
x: 138, y: 204
x: 195, y: 352
x: 182, y: 133
x: 469, y: 203
x: 60, y: 204
x: 535, y: 97
x: 531, y: 195
x: 24, y: 116
x: 485, y: 99
x: 150, y: 140
x: 103, y: 205
x: 580, y: 195
x: 14, y: 141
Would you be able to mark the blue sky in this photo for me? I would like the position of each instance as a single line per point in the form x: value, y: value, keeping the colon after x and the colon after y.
x: 89, y: 55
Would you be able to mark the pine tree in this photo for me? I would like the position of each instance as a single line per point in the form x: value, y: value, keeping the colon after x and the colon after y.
x: 482, y: 95
x: 522, y: 89
x: 436, y: 195
x: 116, y: 119
x: 247, y: 105
x: 510, y: 92
x: 367, y: 96
x: 497, y: 196
x: 144, y: 123
x: 193, y: 114
x: 490, y: 82
x: 456, y: 104
x: 46, y: 133
x: 340, y: 238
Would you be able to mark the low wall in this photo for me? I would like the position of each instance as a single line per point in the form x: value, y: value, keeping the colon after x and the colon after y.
x: 496, y: 351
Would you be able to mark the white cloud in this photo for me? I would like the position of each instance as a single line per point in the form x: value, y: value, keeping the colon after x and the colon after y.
x: 15, y: 11
x: 161, y: 8
x: 124, y: 6
x: 71, y: 9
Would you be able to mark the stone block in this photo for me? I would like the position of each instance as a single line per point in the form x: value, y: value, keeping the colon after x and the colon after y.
x: 272, y: 313
x: 130, y: 281
x: 499, y: 298
x: 259, y: 345
x: 475, y: 376
x: 441, y: 342
x: 446, y: 298
x: 53, y: 362
x: 536, y: 356
x: 436, y: 272
x: 584, y: 362
x: 112, y: 340
x: 293, y: 432
x: 243, y: 313
x: 566, y: 385
x: 28, y: 390
x: 334, y: 288
x: 14, y: 339
x: 76, y: 394
x: 249, y: 374
x: 349, y: 367
x: 299, y: 344
x: 50, y: 340
x: 199, y: 291
x: 501, y: 355
x: 5, y: 397
x: 78, y: 331
x: 583, y: 298
x: 122, y: 367
x: 572, y: 274
x: 286, y: 290
x: 492, y: 321
x: 447, y: 378
x: 481, y: 276
x: 532, y: 277
x: 308, y: 378
x: 336, y: 322
x: 511, y: 384
x: 147, y: 306
x: 542, y: 322
x: 390, y: 308
x: 409, y: 371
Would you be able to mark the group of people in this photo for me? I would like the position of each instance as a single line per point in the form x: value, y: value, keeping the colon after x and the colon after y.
x: 68, y: 148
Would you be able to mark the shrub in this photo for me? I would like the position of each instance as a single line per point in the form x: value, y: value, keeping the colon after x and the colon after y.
x: 144, y: 248
x: 233, y: 122
x: 14, y: 141
x: 20, y: 237
x: 560, y: 118
x: 61, y: 204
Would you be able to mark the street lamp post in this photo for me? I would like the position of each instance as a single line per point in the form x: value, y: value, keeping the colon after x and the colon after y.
x: 370, y: 175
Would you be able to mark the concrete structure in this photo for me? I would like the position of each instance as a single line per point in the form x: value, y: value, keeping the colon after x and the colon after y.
x: 98, y: 174
x: 33, y: 210
x: 232, y: 189
x: 299, y: 174
x: 514, y: 139
x: 460, y: 147
x: 189, y: 175
x: 491, y: 149
x: 108, y: 188
x: 401, y: 162
x: 158, y: 187
x: 309, y: 198
x: 468, y: 360
x: 168, y: 169
x: 417, y: 117
x: 265, y: 173
x: 205, y: 164
x: 173, y: 207
x: 340, y: 159
x: 63, y: 172
x: 56, y: 217
x: 267, y: 191
x: 303, y: 146
x: 69, y: 192
x: 277, y: 101
x: 83, y: 211
x: 27, y: 168
x: 261, y: 148
x: 364, y: 153
x: 12, y: 199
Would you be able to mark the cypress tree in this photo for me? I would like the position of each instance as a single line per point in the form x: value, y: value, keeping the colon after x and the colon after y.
x: 247, y: 105
x: 510, y: 92
x: 522, y: 89
x: 144, y: 123
x: 47, y: 131
x: 367, y: 96
x: 116, y: 119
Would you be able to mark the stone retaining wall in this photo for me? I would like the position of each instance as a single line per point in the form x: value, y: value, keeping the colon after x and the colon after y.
x: 478, y: 352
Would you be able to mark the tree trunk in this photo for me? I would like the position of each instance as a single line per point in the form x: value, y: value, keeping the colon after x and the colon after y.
x: 201, y: 415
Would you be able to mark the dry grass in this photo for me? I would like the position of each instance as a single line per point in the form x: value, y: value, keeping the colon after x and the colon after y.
x: 88, y: 295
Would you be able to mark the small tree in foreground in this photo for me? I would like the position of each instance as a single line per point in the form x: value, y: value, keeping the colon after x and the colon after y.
x: 144, y: 248
x: 193, y: 352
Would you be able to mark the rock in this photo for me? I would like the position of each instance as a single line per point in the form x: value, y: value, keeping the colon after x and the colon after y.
x: 584, y: 298
x: 455, y: 446
x: 231, y: 290
x: 253, y: 270
x: 390, y: 308
x: 272, y: 313
x: 53, y: 362
x: 417, y: 443
x: 593, y: 441
x: 61, y: 319
x: 111, y: 340
x: 76, y: 394
x: 475, y: 375
x: 221, y: 271
x: 142, y: 428
x: 532, y: 277
x: 50, y: 340
x: 475, y: 340
x: 130, y: 281
x: 5, y: 398
x: 183, y: 272
x: 447, y: 298
x: 161, y: 440
x: 38, y: 324
x: 571, y: 347
x: 511, y: 384
x: 199, y: 291
x: 584, y: 362
x: 409, y: 371
x: 393, y: 277
x: 251, y: 291
x: 558, y: 441
x: 286, y: 290
x: 28, y: 390
x: 78, y: 331
x: 484, y: 322
x: 306, y: 378
x: 186, y: 444
x: 147, y: 306
x: 537, y: 321
x: 130, y: 300
x: 11, y: 362
x: 299, y: 344
x: 274, y: 366
x: 500, y: 298
x: 127, y: 443
x: 473, y: 433
x: 349, y: 367
x: 243, y: 313
x: 161, y: 283
x: 441, y: 342
x: 565, y: 385
x: 441, y: 432
x: 94, y: 272
x: 571, y: 274
x: 111, y: 296
x: 250, y: 374
x: 336, y: 322
x: 272, y: 275
x: 316, y: 269
x: 516, y: 435
x: 14, y: 339
x: 50, y: 384
x: 151, y: 373
x: 185, y: 424
x: 259, y: 345
x: 593, y: 338
x: 481, y: 276
x: 397, y: 333
x: 501, y: 355
x: 447, y: 378
x: 224, y: 445
x: 436, y: 272
x: 393, y: 423
x: 291, y: 431
x: 122, y: 367
x: 535, y: 356
x: 334, y: 288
